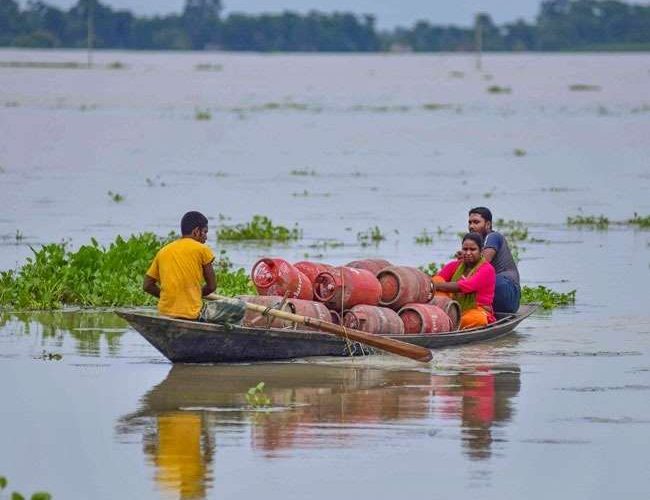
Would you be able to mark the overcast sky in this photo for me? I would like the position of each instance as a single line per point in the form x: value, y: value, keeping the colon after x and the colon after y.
x: 389, y: 13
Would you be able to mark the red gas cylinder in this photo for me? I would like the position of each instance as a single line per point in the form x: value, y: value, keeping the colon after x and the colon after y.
x: 346, y: 287
x: 336, y: 317
x: 373, y: 319
x: 312, y: 269
x: 301, y: 307
x: 402, y: 285
x: 256, y: 319
x: 277, y: 277
x: 372, y: 265
x: 451, y: 307
x: 424, y: 318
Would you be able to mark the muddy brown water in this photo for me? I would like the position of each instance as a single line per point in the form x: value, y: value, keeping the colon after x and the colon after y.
x: 558, y: 409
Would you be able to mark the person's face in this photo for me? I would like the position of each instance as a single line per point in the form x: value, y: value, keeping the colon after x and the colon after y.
x: 471, y: 252
x: 477, y: 224
x: 200, y: 234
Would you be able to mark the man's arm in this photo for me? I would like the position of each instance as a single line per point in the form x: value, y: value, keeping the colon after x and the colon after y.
x: 150, y: 286
x: 210, y: 279
x: 488, y: 254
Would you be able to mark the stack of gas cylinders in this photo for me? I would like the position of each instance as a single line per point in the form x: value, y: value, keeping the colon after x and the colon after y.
x: 371, y: 295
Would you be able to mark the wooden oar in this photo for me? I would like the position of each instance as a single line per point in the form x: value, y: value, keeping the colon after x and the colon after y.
x: 384, y: 343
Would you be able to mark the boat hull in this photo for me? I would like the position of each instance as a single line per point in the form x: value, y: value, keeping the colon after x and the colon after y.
x: 184, y: 341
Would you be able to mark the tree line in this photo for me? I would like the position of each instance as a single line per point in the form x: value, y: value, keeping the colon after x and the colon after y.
x: 559, y: 25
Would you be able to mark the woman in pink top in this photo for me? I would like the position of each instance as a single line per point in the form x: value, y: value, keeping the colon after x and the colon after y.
x: 469, y: 280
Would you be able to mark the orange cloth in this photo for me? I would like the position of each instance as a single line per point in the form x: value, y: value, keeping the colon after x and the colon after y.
x: 440, y: 279
x: 178, y: 267
x: 472, y: 318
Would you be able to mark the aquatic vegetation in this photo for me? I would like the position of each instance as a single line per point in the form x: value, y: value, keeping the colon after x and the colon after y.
x: 43, y: 65
x: 519, y: 152
x: 637, y: 220
x: 256, y: 397
x: 116, y: 197
x: 155, y: 182
x: 424, y: 238
x: 96, y: 276
x: 434, y: 106
x: 549, y: 299
x: 221, y: 173
x: 116, y: 65
x: 300, y: 172
x: 260, y: 228
x: 19, y: 236
x: 584, y: 87
x: 50, y: 356
x: 307, y: 194
x: 597, y: 222
x: 325, y: 244
x: 456, y: 74
x: 231, y: 281
x: 513, y: 230
x: 39, y: 495
x: 208, y: 67
x: 397, y: 108
x: 202, y: 115
x: 431, y: 269
x: 496, y: 89
x: 372, y: 235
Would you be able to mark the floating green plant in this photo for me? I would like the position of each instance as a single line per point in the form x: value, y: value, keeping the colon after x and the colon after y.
x: 496, y: 89
x: 202, y: 115
x: 434, y: 106
x: 637, y: 220
x: 39, y: 495
x: 372, y: 235
x: 42, y: 65
x: 431, y: 269
x: 306, y: 194
x: 116, y: 65
x: 519, y: 152
x: 424, y: 238
x: 19, y: 236
x: 154, y: 182
x: 94, y: 275
x: 597, y: 222
x: 325, y: 244
x: 208, y: 67
x: 549, y: 299
x: 260, y: 228
x: 50, y: 356
x: 397, y: 108
x: 303, y: 172
x: 513, y: 230
x: 584, y: 87
x: 256, y: 397
x: 456, y: 74
x: 116, y: 197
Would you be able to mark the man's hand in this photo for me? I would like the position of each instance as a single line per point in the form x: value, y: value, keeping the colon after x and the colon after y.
x: 151, y: 286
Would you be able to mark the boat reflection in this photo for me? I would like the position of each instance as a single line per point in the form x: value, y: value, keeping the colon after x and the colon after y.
x: 199, y: 408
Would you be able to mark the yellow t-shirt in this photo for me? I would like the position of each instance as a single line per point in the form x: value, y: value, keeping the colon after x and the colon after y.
x: 178, y: 268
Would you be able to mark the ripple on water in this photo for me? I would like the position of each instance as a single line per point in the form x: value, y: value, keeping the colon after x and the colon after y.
x: 628, y: 387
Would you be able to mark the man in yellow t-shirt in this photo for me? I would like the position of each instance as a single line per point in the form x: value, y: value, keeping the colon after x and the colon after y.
x: 179, y: 269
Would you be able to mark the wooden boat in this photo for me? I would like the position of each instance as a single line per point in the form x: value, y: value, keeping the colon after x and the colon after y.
x: 184, y: 341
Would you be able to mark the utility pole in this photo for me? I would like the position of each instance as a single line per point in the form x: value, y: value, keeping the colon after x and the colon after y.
x: 90, y: 5
x: 478, y: 40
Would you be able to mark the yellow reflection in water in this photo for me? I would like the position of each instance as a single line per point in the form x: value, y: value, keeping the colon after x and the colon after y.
x: 179, y: 456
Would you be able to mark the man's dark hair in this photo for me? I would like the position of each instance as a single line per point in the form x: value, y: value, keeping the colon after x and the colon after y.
x: 192, y: 220
x: 483, y: 212
x: 476, y: 238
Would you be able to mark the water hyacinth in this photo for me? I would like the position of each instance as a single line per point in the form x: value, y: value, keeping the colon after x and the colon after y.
x: 96, y: 276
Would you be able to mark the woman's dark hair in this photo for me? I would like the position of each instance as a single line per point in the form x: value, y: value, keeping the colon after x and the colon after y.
x: 483, y: 212
x: 192, y: 220
x: 476, y: 238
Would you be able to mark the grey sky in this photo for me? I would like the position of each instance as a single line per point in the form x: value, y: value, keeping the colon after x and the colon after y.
x: 389, y: 13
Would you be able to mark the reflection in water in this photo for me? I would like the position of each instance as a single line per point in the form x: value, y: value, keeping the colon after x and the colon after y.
x: 87, y: 328
x: 197, y: 409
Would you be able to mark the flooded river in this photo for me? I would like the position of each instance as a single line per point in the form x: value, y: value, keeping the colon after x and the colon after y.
x: 405, y: 143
